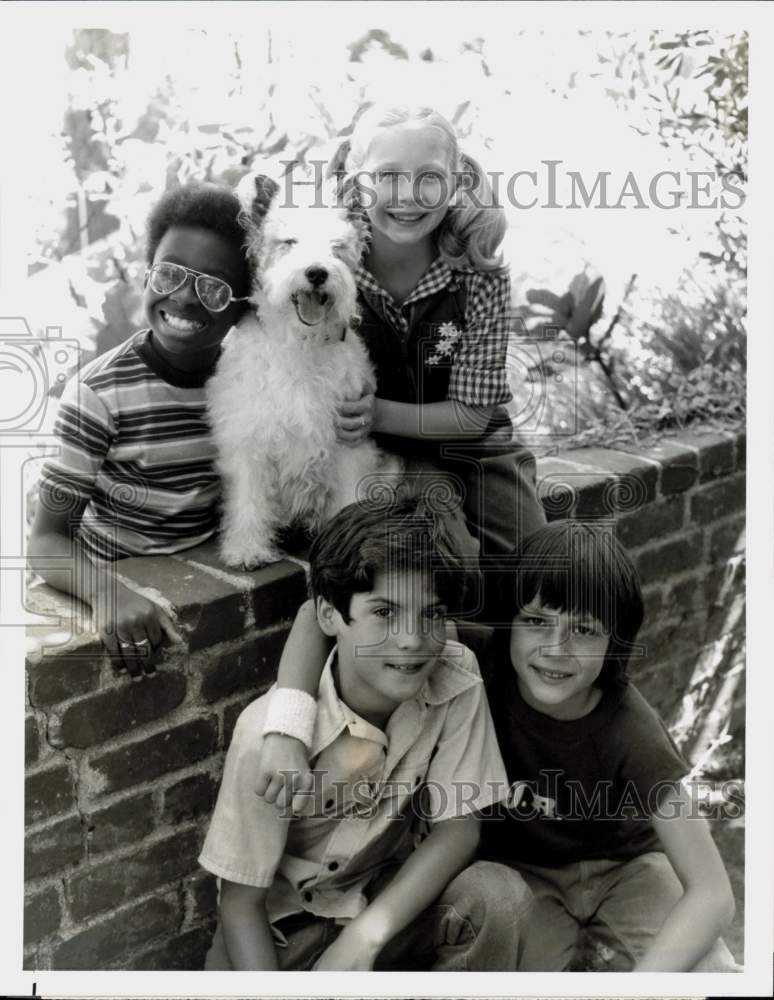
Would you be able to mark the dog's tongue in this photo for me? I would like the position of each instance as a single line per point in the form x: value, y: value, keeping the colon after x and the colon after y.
x: 311, y: 307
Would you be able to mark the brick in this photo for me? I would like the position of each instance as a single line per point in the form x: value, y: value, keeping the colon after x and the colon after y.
x: 574, y: 491
x: 248, y: 668
x: 651, y: 522
x: 57, y: 678
x: 184, y: 952
x: 635, y: 478
x: 67, y: 629
x: 48, y: 793
x: 106, y: 943
x: 53, y: 847
x: 715, y: 453
x: 686, y: 596
x: 107, y: 885
x: 189, y: 798
x: 202, y: 889
x: 672, y: 641
x: 727, y: 540
x: 121, y: 823
x: 31, y: 740
x: 162, y: 753
x: 279, y: 591
x: 276, y: 591
x: 718, y: 499
x: 672, y: 664
x: 594, y: 497
x: 42, y: 914
x: 653, y: 604
x: 117, y: 710
x: 679, y: 464
x: 209, y: 609
x: 659, y: 561
x: 553, y: 486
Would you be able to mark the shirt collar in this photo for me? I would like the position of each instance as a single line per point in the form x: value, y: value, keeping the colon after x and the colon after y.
x: 439, y: 275
x: 454, y: 673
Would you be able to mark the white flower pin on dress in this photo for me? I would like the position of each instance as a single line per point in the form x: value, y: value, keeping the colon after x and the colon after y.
x: 448, y: 336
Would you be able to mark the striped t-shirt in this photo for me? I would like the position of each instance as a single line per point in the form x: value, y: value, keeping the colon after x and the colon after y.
x: 135, y: 443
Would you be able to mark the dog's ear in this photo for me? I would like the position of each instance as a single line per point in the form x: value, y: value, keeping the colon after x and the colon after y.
x: 255, y: 193
x: 344, y: 191
x: 265, y: 190
x: 337, y: 161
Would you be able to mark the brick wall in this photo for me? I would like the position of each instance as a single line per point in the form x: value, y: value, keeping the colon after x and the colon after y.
x: 121, y: 776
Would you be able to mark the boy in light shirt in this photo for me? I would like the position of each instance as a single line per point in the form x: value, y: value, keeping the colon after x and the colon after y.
x: 376, y: 873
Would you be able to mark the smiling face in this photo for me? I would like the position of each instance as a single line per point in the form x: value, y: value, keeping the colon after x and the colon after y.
x: 306, y: 256
x: 390, y: 645
x: 186, y: 333
x: 408, y: 182
x: 557, y: 656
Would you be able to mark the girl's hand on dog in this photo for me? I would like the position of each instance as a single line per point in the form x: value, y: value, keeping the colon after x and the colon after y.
x: 132, y: 628
x: 355, y: 419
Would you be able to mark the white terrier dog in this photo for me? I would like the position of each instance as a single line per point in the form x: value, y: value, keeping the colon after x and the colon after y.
x: 284, y: 369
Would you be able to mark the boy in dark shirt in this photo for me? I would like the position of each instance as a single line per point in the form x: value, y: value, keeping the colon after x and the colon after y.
x: 597, y: 820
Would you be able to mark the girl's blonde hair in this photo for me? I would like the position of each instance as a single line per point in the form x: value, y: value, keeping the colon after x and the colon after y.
x: 474, y: 225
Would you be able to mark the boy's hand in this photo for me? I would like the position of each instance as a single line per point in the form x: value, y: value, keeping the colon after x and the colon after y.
x: 132, y: 628
x: 355, y: 419
x: 283, y: 773
x: 348, y: 953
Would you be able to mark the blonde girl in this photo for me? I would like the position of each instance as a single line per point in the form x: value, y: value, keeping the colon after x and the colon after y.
x: 434, y: 297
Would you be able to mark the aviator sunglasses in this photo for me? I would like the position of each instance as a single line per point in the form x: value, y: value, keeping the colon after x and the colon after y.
x: 213, y: 293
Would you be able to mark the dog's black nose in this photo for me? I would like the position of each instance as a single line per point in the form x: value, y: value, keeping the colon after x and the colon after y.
x: 316, y: 275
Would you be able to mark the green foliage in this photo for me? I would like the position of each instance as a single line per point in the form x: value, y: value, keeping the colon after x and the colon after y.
x: 576, y: 312
x: 642, y: 351
x: 677, y: 357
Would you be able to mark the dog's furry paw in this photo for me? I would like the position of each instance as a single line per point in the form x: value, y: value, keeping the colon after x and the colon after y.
x: 244, y: 560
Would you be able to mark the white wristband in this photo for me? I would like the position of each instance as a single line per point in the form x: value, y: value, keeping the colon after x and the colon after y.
x: 291, y: 712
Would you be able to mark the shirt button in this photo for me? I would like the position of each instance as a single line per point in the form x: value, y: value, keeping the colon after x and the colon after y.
x: 333, y: 866
x: 307, y: 897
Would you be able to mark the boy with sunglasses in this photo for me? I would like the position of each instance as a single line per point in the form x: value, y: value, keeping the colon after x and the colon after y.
x: 134, y: 474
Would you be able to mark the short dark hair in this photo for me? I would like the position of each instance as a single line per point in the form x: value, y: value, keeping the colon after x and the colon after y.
x: 581, y: 567
x: 204, y: 206
x: 395, y: 535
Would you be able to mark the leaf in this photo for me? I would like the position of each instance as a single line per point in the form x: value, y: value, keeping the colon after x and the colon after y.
x: 593, y: 300
x: 543, y: 297
x: 578, y: 286
x: 566, y: 304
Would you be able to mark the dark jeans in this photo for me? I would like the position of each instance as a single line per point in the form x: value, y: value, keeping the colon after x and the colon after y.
x: 497, y: 506
x: 474, y: 926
